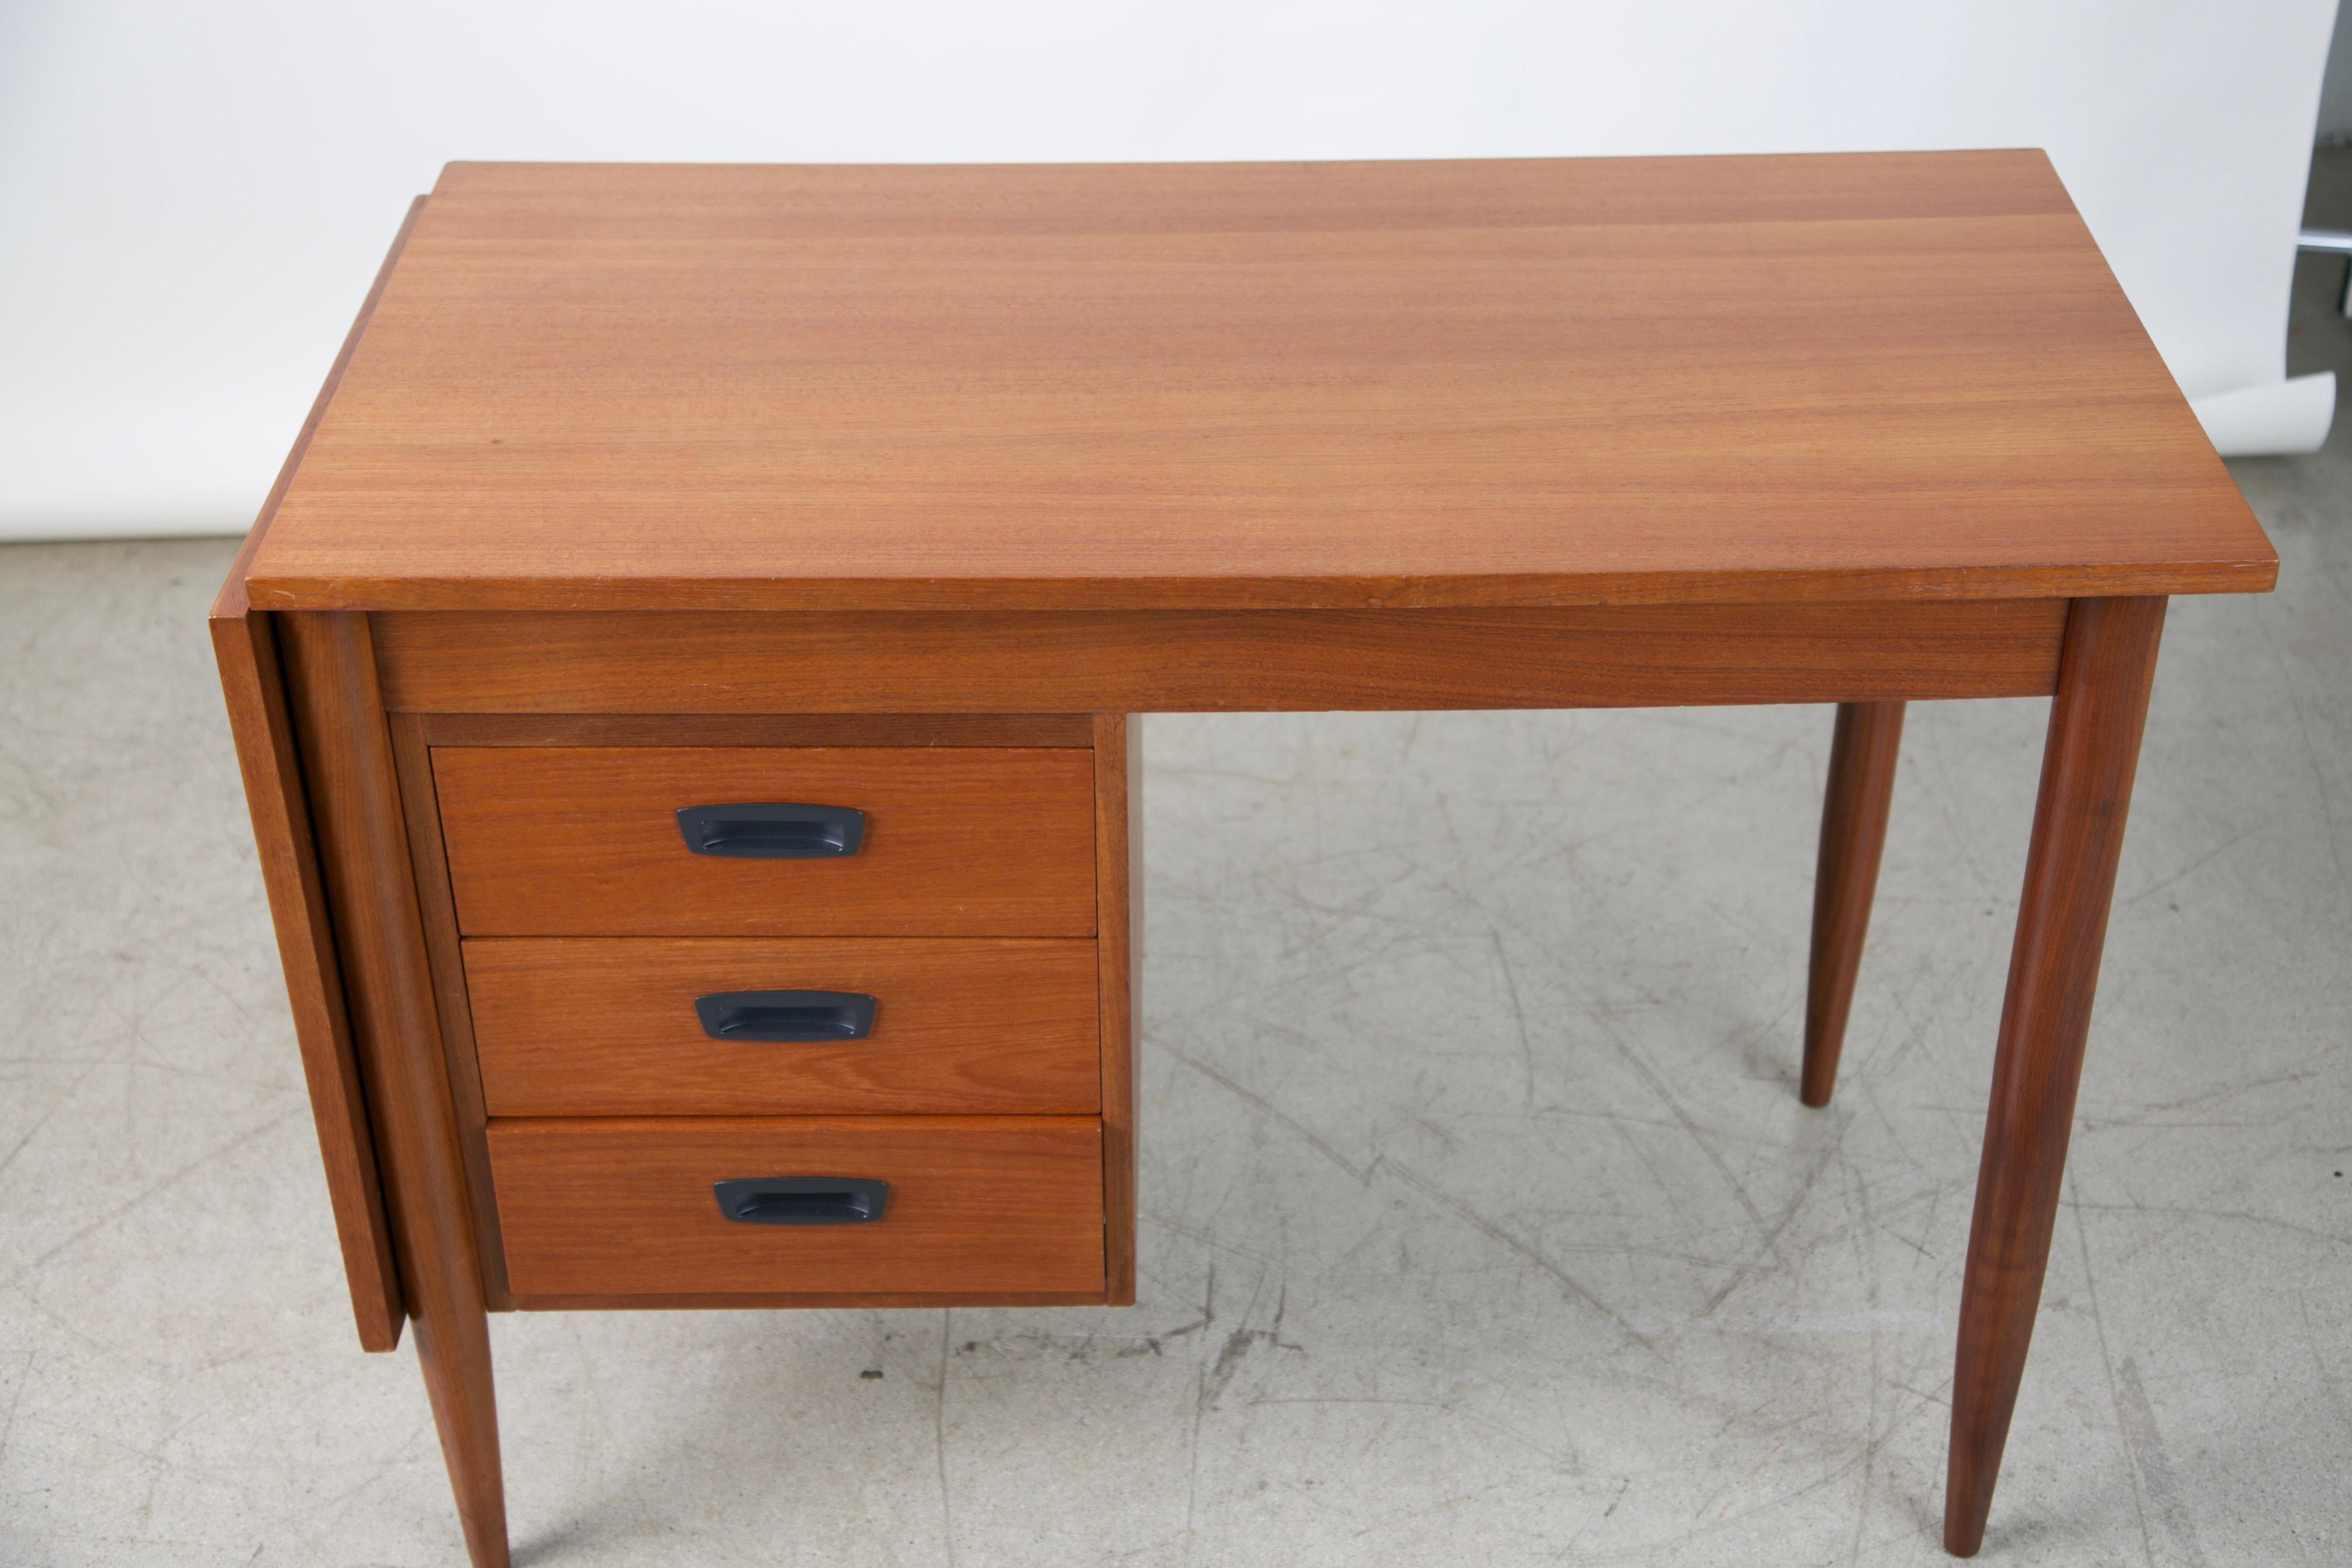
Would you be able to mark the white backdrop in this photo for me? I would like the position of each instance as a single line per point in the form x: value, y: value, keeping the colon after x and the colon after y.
x: 192, y: 198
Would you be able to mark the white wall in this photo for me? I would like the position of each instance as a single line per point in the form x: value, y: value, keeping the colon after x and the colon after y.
x: 193, y: 197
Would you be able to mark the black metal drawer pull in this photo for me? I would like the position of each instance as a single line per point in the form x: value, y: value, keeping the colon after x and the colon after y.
x: 791, y: 1017
x: 801, y: 1200
x: 772, y: 830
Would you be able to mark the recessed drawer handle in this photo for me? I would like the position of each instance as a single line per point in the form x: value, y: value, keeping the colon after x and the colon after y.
x: 791, y: 1017
x: 772, y: 830
x: 801, y: 1200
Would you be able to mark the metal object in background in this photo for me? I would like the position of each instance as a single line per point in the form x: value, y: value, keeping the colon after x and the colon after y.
x: 2332, y: 242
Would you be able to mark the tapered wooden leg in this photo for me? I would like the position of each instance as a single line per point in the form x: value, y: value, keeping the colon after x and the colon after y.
x: 2070, y: 874
x: 1854, y: 832
x: 355, y: 793
x: 454, y: 1348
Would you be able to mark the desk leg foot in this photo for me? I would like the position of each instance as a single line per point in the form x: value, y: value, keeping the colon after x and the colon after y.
x: 2070, y: 873
x: 455, y: 1352
x: 1854, y: 832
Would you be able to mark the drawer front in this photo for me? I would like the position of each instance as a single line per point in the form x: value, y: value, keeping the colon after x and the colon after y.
x: 973, y: 1205
x: 585, y: 841
x: 608, y: 1026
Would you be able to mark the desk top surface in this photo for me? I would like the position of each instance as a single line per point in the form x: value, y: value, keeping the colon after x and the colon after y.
x: 1108, y: 386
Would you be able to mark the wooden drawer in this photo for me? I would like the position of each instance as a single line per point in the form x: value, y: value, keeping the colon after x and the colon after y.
x: 585, y: 841
x: 608, y: 1026
x: 976, y: 1206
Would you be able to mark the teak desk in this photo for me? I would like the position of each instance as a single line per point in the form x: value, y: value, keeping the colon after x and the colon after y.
x: 683, y: 675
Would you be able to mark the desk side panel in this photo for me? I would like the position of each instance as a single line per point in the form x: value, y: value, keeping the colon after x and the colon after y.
x: 246, y: 647
x: 1118, y: 948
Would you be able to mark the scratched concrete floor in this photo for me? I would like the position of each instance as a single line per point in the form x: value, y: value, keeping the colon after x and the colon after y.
x: 1480, y: 1222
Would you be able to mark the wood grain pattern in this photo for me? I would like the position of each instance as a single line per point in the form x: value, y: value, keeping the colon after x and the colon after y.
x: 429, y: 860
x: 2088, y: 760
x: 363, y: 853
x: 977, y: 1204
x: 1119, y: 906
x: 757, y: 729
x: 1853, y: 834
x: 583, y: 841
x: 1508, y: 382
x: 1245, y: 661
x: 245, y: 646
x: 589, y: 1026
